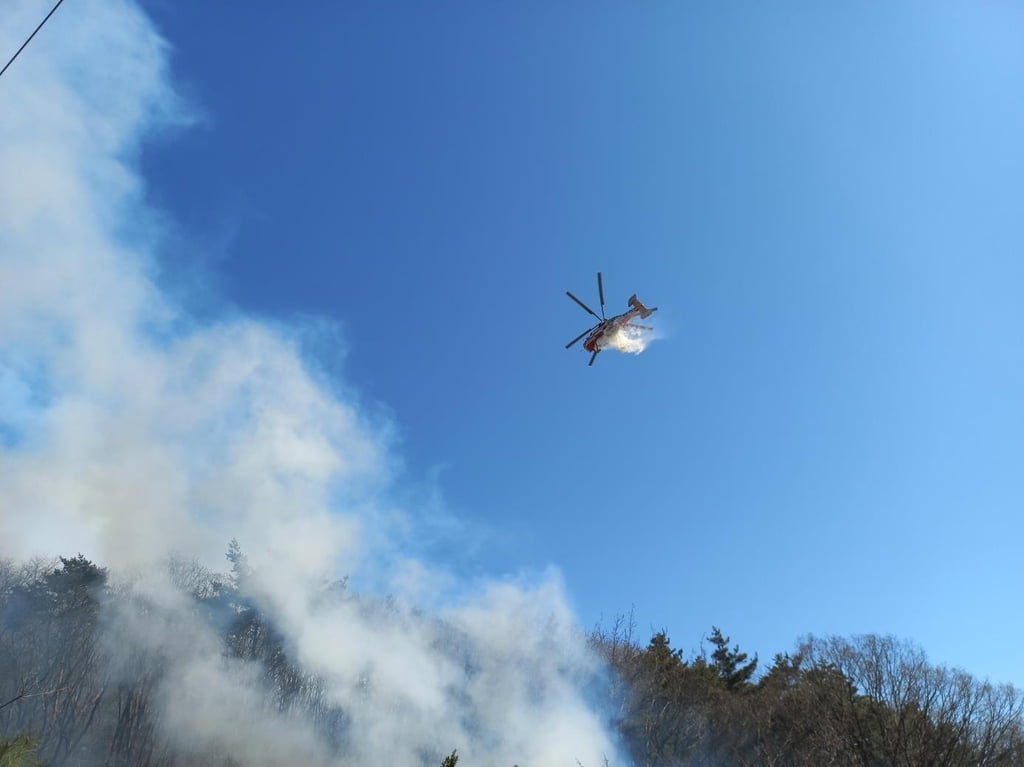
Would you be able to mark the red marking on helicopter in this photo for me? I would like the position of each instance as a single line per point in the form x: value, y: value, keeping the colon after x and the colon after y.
x: 602, y: 334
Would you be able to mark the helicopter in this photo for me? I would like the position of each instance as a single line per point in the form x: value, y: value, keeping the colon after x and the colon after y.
x: 601, y: 334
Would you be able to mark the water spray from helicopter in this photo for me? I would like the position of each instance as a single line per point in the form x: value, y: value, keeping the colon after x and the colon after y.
x: 630, y: 339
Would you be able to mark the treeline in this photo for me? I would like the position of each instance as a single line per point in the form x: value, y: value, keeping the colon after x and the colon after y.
x: 79, y: 690
x: 867, y: 701
x: 74, y: 691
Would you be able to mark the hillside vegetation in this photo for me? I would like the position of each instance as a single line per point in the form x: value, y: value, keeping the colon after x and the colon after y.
x: 75, y: 691
x: 864, y: 701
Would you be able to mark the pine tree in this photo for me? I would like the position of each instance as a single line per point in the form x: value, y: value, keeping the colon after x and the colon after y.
x: 19, y: 752
x: 730, y: 665
x: 240, y: 569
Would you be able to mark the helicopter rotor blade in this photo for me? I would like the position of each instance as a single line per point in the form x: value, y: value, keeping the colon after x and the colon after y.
x: 600, y: 293
x: 585, y: 307
x: 593, y: 357
x: 577, y: 338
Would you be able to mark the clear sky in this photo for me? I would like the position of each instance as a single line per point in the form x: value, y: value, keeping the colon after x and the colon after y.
x: 823, y: 200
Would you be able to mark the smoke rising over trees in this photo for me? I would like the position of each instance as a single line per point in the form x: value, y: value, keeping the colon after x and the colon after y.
x: 188, y: 667
x: 95, y: 671
x: 134, y: 427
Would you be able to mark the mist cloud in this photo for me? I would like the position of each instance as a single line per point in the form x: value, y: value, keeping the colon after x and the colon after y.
x: 131, y: 431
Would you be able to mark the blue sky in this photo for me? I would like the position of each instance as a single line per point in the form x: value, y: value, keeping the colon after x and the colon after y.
x: 823, y: 202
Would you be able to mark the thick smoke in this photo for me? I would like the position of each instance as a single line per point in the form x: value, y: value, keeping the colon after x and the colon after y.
x: 132, y: 431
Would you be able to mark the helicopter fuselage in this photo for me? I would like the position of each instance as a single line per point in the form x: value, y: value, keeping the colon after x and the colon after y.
x: 601, y: 336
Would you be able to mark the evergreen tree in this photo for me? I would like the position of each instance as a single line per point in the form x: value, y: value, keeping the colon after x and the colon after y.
x: 240, y: 569
x: 19, y: 752
x: 730, y: 665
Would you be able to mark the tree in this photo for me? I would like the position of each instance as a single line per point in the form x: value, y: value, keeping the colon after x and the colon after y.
x: 50, y: 640
x: 730, y: 665
x: 19, y: 752
x: 665, y: 718
x: 240, y: 569
x: 791, y: 715
x: 901, y: 710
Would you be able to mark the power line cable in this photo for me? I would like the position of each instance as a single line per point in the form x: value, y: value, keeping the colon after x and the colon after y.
x: 52, y: 10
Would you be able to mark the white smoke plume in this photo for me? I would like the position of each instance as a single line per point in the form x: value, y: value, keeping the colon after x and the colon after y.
x: 131, y: 431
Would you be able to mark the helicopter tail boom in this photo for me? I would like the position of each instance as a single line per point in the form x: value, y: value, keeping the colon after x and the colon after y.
x: 637, y: 304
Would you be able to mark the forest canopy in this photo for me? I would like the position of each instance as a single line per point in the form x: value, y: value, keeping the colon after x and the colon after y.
x: 78, y: 685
